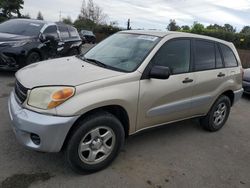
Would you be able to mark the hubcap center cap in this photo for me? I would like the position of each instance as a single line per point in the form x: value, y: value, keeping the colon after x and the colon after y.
x: 96, y: 144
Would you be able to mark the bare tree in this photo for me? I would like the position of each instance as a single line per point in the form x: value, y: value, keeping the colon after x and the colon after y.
x: 93, y: 12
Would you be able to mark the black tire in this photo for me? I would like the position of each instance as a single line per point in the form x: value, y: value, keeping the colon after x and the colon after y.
x: 33, y: 57
x: 209, y: 122
x: 74, y: 157
x: 73, y: 52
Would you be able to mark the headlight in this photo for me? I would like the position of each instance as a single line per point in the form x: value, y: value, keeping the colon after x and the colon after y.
x: 16, y: 43
x: 49, y: 97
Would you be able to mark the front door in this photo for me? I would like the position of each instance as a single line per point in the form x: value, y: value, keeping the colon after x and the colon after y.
x: 162, y: 101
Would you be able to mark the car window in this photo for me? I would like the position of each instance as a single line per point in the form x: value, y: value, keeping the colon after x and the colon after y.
x: 64, y: 32
x: 175, y: 55
x: 219, y: 63
x: 73, y: 32
x: 122, y: 51
x: 21, y: 27
x: 204, y: 55
x: 51, y: 31
x: 229, y: 58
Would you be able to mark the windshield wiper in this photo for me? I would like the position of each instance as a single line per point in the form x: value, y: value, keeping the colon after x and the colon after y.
x: 96, y: 62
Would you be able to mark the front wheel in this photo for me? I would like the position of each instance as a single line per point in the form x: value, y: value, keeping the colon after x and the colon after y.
x: 218, y: 114
x: 95, y: 143
x: 33, y: 57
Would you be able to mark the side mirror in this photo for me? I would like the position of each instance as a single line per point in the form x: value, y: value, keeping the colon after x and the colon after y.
x: 45, y: 38
x: 159, y: 72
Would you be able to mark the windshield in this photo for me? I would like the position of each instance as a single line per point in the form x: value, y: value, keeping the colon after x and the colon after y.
x: 85, y: 32
x: 121, y: 51
x: 21, y: 27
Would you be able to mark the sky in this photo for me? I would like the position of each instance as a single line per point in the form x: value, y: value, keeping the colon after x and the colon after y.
x: 151, y: 14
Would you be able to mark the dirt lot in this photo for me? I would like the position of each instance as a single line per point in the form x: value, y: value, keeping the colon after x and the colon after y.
x: 176, y: 155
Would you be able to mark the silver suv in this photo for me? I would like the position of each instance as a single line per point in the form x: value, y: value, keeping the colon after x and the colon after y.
x: 87, y: 105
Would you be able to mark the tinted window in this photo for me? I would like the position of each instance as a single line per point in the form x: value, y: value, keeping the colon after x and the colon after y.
x: 73, y: 32
x: 51, y: 31
x: 175, y: 55
x: 219, y: 63
x: 204, y: 55
x: 21, y: 27
x: 64, y: 32
x: 229, y: 58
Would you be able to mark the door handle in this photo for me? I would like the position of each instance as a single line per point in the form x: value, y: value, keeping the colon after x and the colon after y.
x: 187, y: 80
x: 221, y: 74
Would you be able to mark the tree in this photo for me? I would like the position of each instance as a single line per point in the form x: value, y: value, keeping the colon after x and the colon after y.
x: 91, y: 11
x: 27, y: 16
x: 229, y: 28
x: 39, y: 16
x: 197, y: 27
x: 226, y: 28
x: 246, y: 30
x: 172, y: 26
x: 185, y: 28
x: 11, y: 6
x: 67, y: 20
x: 215, y: 27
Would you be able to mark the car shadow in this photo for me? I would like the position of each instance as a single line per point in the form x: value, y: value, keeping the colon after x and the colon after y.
x: 165, y: 130
x: 7, y: 73
x: 246, y: 96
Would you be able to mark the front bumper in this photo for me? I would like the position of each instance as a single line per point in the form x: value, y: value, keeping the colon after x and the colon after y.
x: 8, y: 63
x: 52, y: 130
x: 246, y: 86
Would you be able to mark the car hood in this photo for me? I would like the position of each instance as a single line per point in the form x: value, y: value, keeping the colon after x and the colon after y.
x: 247, y: 75
x: 11, y: 37
x: 70, y: 71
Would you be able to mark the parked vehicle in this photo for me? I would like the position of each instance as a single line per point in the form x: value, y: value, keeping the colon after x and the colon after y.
x: 26, y: 41
x: 88, y: 36
x: 246, y: 81
x: 87, y: 105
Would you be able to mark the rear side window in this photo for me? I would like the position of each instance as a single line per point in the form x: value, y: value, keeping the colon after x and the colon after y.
x: 175, y: 55
x: 229, y: 58
x: 204, y: 55
x: 73, y: 32
x: 219, y: 63
x: 64, y: 32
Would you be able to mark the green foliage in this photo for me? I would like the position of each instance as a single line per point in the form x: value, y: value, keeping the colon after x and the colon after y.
x: 101, y: 30
x: 197, y: 28
x: 172, y: 26
x: 11, y: 7
x: 246, y: 30
x: 67, y: 20
x: 185, y: 28
x: 226, y: 32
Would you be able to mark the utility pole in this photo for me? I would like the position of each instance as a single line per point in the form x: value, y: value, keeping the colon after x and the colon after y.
x: 60, y: 16
x: 128, y: 24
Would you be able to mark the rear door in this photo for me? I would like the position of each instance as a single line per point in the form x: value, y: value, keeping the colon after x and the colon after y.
x: 210, y: 75
x: 162, y: 101
x: 231, y: 64
x: 65, y: 42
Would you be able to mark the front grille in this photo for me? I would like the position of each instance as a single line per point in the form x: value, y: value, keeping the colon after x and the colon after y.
x: 20, y: 91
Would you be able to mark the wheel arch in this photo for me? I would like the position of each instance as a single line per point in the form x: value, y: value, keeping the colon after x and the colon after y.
x: 230, y: 95
x: 118, y: 111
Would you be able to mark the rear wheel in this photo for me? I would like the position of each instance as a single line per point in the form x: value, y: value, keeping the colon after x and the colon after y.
x: 218, y: 114
x: 33, y: 57
x: 95, y: 143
